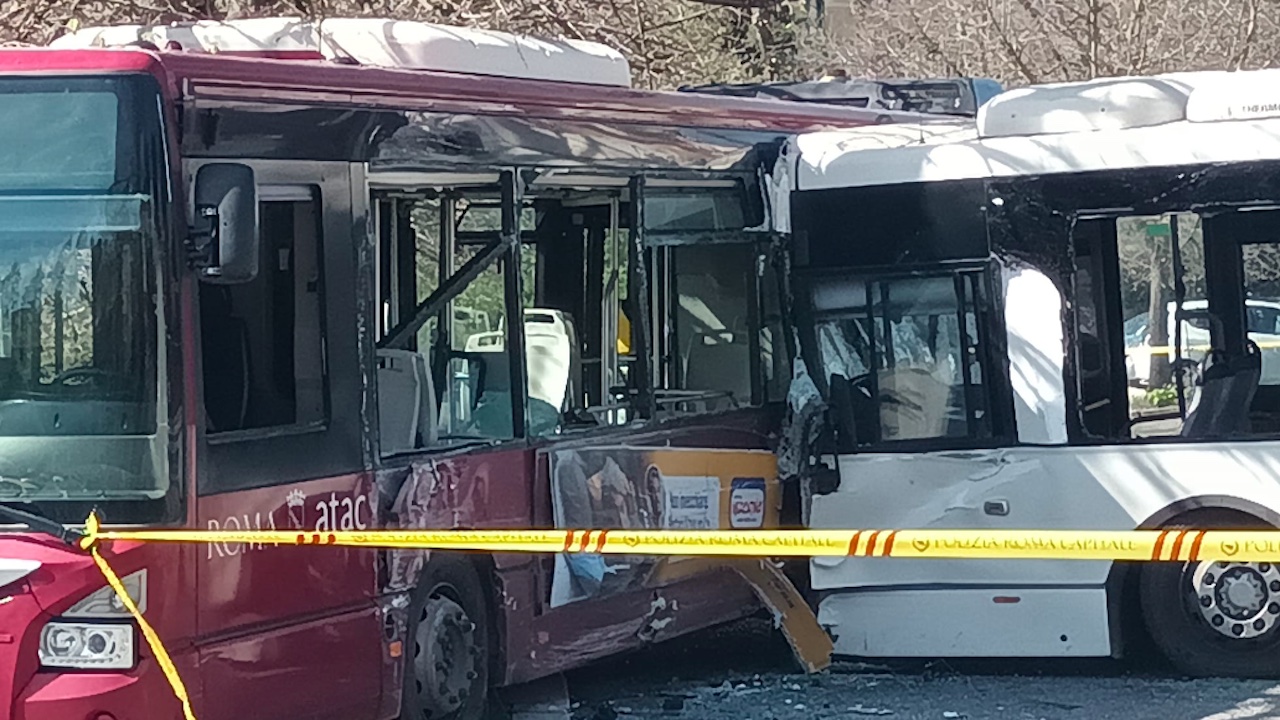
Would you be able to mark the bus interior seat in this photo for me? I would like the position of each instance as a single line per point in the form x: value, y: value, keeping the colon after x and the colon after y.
x: 552, y: 364
x: 225, y: 355
x: 718, y: 362
x: 1227, y: 387
x: 553, y: 358
x: 491, y: 416
x: 406, y: 401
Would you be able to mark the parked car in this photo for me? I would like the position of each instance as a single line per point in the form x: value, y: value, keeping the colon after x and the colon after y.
x: 1262, y: 316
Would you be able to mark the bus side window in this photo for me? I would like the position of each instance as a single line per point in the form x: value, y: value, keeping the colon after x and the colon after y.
x: 262, y: 342
x: 719, y: 342
x: 451, y: 382
x: 478, y: 401
x: 1101, y: 401
x: 1258, y: 235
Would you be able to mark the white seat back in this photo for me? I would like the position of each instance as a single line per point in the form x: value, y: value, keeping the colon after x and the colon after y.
x: 406, y: 401
x: 552, y: 353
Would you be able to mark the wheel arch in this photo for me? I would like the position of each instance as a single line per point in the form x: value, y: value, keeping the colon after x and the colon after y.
x: 1124, y: 613
x: 1211, y: 504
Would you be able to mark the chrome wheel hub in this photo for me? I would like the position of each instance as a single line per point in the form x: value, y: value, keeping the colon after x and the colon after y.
x: 1239, y: 600
x: 445, y: 657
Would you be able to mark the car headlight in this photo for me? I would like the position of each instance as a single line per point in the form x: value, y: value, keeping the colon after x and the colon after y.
x: 96, y: 646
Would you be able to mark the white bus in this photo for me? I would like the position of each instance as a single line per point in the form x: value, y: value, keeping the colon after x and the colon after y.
x: 961, y: 294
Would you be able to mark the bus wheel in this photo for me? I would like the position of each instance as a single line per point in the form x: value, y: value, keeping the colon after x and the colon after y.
x: 447, y: 670
x: 1214, y: 619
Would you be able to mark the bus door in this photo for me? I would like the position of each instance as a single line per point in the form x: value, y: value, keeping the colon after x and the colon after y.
x: 284, y: 632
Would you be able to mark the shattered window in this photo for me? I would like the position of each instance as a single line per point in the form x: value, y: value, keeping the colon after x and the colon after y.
x: 902, y: 356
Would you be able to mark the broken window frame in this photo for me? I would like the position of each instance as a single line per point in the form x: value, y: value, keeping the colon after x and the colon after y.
x: 661, y: 247
x: 649, y: 394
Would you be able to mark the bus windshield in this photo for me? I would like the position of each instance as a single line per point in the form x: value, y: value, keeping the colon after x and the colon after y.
x: 78, y: 303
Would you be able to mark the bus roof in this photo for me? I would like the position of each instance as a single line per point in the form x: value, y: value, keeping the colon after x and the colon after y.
x: 1107, y: 124
x: 221, y: 77
x: 378, y: 42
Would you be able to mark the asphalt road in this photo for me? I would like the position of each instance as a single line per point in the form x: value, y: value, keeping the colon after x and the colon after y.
x: 744, y: 673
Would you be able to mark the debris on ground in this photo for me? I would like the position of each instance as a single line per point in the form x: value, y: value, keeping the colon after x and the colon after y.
x: 746, y: 672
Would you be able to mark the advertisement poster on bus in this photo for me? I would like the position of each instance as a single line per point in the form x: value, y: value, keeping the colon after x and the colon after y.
x: 614, y: 488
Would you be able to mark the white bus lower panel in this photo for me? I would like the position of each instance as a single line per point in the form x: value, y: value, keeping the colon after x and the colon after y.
x: 1014, y: 622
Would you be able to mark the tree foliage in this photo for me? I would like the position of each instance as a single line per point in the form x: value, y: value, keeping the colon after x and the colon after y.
x: 1034, y: 41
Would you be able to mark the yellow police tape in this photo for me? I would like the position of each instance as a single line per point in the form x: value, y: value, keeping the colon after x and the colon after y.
x: 89, y: 542
x: 1180, y: 545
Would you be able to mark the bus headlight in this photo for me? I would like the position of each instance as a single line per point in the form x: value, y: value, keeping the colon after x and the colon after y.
x: 98, y: 646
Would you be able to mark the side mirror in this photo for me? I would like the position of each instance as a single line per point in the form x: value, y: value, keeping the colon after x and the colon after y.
x: 224, y: 240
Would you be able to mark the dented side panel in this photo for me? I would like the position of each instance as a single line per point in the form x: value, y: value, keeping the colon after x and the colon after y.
x: 510, y: 487
x: 1094, y: 488
x: 1059, y: 622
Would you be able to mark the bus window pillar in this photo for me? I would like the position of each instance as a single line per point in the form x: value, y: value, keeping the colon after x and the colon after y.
x: 1224, y: 281
x: 445, y: 321
x: 609, y: 362
x: 512, y: 204
x: 638, y: 294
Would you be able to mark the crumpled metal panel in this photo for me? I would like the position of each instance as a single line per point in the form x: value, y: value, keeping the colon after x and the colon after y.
x: 430, y: 141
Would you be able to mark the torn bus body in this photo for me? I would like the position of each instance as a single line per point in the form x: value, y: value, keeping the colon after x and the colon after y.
x: 968, y: 297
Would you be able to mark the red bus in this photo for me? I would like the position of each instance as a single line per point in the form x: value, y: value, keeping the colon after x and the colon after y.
x: 275, y: 292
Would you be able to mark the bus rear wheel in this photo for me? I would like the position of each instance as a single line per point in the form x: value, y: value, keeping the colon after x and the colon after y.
x: 1214, y: 619
x: 447, y: 670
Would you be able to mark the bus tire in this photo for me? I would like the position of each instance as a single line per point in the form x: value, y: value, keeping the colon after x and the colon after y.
x: 446, y: 675
x: 1211, y: 619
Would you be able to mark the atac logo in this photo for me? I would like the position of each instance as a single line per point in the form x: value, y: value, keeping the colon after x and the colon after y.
x: 746, y: 503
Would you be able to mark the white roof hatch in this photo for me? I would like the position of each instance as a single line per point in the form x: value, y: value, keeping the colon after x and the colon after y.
x: 1128, y: 103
